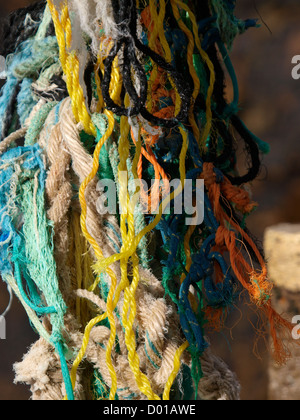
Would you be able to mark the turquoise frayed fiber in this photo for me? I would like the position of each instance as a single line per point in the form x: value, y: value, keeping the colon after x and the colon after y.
x: 38, y: 122
x: 228, y: 24
x: 38, y: 309
x: 25, y: 100
x: 23, y: 225
x: 23, y: 66
x: 41, y: 266
x: 35, y: 56
x: 6, y: 94
x: 15, y: 166
x: 65, y: 371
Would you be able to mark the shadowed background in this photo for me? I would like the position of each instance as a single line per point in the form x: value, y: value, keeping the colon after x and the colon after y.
x: 270, y: 104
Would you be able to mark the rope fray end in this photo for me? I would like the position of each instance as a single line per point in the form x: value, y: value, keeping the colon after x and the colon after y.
x: 260, y: 289
x: 281, y: 333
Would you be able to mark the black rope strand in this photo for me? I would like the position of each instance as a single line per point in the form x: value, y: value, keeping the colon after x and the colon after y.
x: 16, y: 29
x: 253, y: 151
x: 126, y: 17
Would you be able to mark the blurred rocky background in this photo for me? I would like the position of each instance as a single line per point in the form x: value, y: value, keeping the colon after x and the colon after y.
x: 270, y: 106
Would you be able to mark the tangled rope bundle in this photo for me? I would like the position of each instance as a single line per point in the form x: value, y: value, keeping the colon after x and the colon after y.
x: 127, y: 91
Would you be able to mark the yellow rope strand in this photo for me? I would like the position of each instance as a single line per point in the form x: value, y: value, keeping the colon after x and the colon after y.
x: 129, y: 306
x: 99, y: 254
x: 182, y: 168
x: 190, y: 53
x: 70, y: 66
x: 210, y: 66
x: 85, y: 343
x: 191, y: 45
x: 159, y: 19
x: 111, y: 303
x: 177, y: 364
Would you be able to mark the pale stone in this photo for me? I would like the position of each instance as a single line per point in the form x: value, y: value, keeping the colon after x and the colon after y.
x: 282, y: 249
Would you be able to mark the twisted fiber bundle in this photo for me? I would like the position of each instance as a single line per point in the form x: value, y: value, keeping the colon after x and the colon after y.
x: 65, y: 137
x: 59, y: 195
x: 40, y: 369
x: 156, y: 310
x: 124, y: 301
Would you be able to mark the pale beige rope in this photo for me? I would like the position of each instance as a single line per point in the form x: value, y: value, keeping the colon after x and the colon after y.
x: 11, y: 139
x: 59, y: 196
x: 40, y: 369
x: 158, y: 331
x: 218, y: 382
x: 82, y: 164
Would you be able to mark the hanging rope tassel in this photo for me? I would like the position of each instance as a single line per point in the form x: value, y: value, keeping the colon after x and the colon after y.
x: 112, y: 118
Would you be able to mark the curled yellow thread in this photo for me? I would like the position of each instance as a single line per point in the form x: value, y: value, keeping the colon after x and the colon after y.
x: 177, y: 364
x: 66, y: 24
x: 99, y: 254
x: 86, y: 182
x: 191, y: 228
x: 60, y: 35
x: 111, y: 303
x: 191, y: 44
x: 124, y: 256
x: 187, y: 249
x: 190, y: 53
x: 129, y: 301
x: 85, y: 343
x: 115, y: 87
x: 184, y: 149
x: 195, y: 128
x: 210, y: 66
x: 70, y: 65
x: 159, y: 21
x: 109, y: 314
x: 129, y: 306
